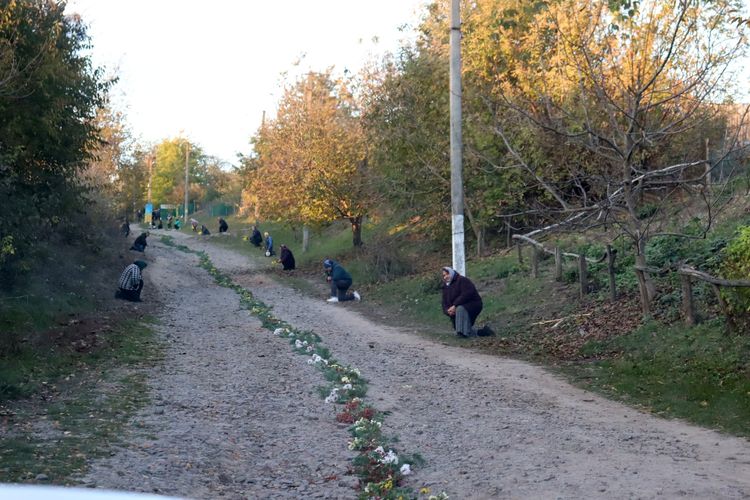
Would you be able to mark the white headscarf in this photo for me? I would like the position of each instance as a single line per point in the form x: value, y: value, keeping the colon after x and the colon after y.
x: 451, y: 272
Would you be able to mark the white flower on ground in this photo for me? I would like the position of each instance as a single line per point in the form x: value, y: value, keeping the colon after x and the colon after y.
x: 310, y: 348
x: 315, y: 359
x: 347, y: 387
x: 298, y: 344
x: 345, y: 380
x: 356, y: 371
x: 279, y: 331
x: 333, y: 396
x: 379, y: 450
x: 406, y: 469
x: 390, y: 458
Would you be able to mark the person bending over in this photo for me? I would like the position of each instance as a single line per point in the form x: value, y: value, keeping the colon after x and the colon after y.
x: 340, y: 281
x: 269, y: 245
x: 286, y: 258
x: 256, y: 238
x: 139, y: 245
x: 131, y: 282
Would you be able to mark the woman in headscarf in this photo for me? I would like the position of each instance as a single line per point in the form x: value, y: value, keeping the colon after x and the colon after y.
x: 286, y: 258
x: 461, y: 302
x: 269, y: 245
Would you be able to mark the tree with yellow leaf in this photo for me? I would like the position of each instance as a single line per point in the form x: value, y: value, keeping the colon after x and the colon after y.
x: 635, y: 86
x: 310, y: 165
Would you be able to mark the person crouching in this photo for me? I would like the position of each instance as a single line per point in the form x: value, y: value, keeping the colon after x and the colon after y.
x: 131, y: 282
x: 461, y: 302
x: 340, y: 281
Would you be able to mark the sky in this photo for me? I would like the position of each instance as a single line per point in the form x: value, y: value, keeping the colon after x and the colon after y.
x: 208, y: 70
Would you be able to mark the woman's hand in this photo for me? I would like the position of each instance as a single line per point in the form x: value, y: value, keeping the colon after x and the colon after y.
x: 451, y: 311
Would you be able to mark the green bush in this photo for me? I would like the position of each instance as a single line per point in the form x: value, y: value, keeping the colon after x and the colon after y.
x: 736, y: 265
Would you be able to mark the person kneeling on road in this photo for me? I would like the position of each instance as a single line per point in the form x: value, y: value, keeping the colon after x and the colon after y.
x: 340, y: 281
x: 462, y: 304
x: 131, y: 282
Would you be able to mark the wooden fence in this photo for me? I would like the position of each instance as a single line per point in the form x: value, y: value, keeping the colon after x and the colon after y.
x: 583, y: 262
x: 687, y: 273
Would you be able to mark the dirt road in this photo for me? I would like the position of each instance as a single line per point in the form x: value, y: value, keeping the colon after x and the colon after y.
x: 236, y: 413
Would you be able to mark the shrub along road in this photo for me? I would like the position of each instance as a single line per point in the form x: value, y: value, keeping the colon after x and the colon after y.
x: 235, y: 412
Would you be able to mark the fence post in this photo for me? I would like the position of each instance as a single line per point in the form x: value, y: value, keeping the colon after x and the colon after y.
x: 534, y: 262
x: 583, y: 275
x: 508, y: 234
x: 611, y: 271
x: 520, y: 252
x: 558, y: 264
x: 688, y: 311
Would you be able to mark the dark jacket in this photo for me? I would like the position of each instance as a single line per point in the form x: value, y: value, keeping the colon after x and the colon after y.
x: 256, y: 238
x: 287, y: 258
x: 141, y: 240
x: 338, y: 273
x: 462, y: 292
x: 223, y: 226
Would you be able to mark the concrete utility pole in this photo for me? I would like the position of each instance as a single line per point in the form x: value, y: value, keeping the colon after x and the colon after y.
x: 457, y: 183
x: 187, y: 186
x: 149, y: 162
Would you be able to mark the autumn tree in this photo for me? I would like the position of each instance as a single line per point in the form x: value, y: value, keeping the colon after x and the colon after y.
x: 110, y: 156
x: 311, y: 164
x: 623, y: 84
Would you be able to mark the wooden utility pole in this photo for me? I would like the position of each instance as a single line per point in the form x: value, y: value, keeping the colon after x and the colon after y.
x: 187, y: 186
x: 457, y: 189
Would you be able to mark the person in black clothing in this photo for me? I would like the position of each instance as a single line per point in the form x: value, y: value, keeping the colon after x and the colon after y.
x: 139, y: 245
x: 125, y: 228
x: 462, y: 304
x: 256, y: 238
x: 286, y: 258
x: 204, y: 230
x: 223, y: 226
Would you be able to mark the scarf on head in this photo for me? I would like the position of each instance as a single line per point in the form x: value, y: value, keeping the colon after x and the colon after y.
x: 451, y: 272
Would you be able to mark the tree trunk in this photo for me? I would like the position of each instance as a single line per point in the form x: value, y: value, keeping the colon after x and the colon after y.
x: 611, y: 273
x: 305, y: 238
x: 688, y: 310
x: 476, y: 228
x: 356, y: 230
x: 480, y: 242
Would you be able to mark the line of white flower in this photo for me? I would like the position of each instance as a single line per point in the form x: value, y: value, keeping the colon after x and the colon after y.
x: 390, y: 457
x: 333, y: 396
x: 315, y: 359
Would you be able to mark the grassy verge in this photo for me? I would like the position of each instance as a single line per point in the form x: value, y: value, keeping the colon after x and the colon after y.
x: 698, y: 374
x: 82, y: 401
